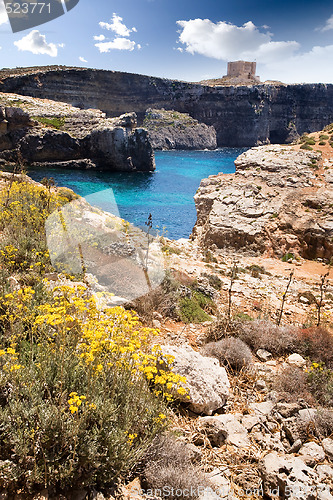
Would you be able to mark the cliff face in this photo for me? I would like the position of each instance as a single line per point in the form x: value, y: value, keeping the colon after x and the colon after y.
x: 242, y: 116
x: 174, y: 130
x: 49, y: 134
x: 279, y: 201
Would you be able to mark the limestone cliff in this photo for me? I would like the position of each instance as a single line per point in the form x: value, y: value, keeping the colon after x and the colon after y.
x: 173, y: 130
x: 44, y: 133
x: 242, y: 116
x: 278, y: 201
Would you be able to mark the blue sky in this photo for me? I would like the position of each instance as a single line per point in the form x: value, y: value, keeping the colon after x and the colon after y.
x: 189, y: 40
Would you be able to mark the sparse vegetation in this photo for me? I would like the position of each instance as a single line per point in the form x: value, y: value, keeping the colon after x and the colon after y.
x: 320, y: 380
x: 193, y: 309
x: 213, y: 280
x: 261, y: 334
x: 170, y: 250
x: 291, y: 385
x: 54, y: 122
x: 230, y: 351
x: 168, y: 469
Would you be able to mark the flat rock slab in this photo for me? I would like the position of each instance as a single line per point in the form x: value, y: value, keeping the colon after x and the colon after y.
x: 224, y: 429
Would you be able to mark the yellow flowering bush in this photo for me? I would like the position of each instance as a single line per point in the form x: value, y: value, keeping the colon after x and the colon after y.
x: 82, y: 391
x: 24, y: 208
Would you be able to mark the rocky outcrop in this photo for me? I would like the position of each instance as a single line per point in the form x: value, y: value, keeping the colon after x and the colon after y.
x: 42, y: 134
x: 173, y: 130
x: 275, y: 203
x: 242, y: 116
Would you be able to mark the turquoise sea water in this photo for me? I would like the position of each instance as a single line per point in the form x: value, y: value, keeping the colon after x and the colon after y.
x: 166, y: 193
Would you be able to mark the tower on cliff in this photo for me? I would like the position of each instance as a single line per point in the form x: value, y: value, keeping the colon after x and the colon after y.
x: 242, y: 71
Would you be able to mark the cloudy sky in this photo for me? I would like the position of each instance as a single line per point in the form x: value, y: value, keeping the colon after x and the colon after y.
x: 191, y: 40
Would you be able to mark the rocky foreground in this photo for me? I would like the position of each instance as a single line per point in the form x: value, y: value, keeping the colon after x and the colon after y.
x: 279, y: 201
x: 49, y: 134
x: 246, y: 425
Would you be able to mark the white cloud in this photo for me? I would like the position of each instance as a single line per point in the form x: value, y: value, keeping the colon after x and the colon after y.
x: 116, y: 44
x: 36, y: 43
x: 82, y: 59
x: 99, y: 38
x: 309, y: 67
x: 227, y: 41
x: 117, y: 26
x: 329, y: 24
x: 3, y: 13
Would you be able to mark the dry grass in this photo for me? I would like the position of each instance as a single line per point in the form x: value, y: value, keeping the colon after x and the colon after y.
x: 168, y: 468
x: 317, y: 344
x: 239, y: 465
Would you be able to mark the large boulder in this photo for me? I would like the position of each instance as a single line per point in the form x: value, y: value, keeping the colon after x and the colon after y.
x: 288, y: 477
x: 224, y: 429
x: 46, y: 133
x: 174, y: 130
x: 207, y: 382
x: 276, y: 203
x: 49, y: 145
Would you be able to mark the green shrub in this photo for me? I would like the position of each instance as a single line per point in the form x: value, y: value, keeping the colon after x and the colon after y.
x: 307, y: 147
x: 320, y: 380
x: 242, y: 316
x: 191, y: 309
x: 310, y: 141
x: 55, y: 122
x: 321, y: 143
x: 256, y: 270
x: 288, y: 256
x: 324, y: 137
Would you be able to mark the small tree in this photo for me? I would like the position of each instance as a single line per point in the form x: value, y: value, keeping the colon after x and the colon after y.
x: 284, y: 298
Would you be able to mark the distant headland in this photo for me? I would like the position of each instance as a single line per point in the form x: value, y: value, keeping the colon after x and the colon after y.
x: 246, y: 114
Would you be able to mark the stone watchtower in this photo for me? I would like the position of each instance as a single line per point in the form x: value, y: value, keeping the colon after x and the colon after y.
x: 242, y: 71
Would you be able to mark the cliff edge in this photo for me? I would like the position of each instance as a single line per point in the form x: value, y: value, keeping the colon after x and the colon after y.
x: 279, y: 201
x: 174, y: 130
x: 44, y: 133
x: 242, y: 116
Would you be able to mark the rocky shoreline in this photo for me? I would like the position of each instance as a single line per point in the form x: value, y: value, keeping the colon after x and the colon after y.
x: 48, y: 134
